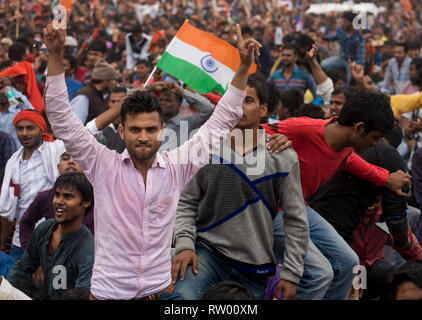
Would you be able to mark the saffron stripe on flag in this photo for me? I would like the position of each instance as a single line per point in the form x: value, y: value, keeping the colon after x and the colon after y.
x: 202, y: 60
x: 220, y: 49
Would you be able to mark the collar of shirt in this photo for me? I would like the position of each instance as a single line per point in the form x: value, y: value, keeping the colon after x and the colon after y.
x: 158, y: 160
x: 34, y: 155
x: 176, y: 119
x: 295, y: 70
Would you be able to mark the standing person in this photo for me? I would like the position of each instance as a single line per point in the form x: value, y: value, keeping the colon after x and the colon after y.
x: 137, y: 45
x: 89, y: 102
x: 290, y: 75
x: 352, y: 46
x: 70, y: 66
x: 97, y: 50
x: 397, y: 70
x: 137, y: 192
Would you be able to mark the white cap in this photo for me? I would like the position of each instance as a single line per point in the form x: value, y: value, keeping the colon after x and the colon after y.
x: 71, y: 41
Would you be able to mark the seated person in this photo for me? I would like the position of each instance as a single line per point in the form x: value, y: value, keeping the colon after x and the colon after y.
x: 406, y: 282
x: 42, y: 206
x: 63, y: 246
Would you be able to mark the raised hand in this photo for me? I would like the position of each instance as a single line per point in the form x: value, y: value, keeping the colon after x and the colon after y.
x: 54, y: 40
x: 312, y: 54
x: 356, y: 70
x: 246, y: 48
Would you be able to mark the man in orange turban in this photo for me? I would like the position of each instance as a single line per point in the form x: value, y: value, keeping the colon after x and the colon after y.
x: 31, y: 169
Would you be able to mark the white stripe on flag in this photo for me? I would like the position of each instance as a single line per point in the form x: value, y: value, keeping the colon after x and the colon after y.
x: 202, y: 60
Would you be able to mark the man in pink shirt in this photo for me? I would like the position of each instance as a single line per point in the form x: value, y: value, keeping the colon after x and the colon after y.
x: 137, y: 192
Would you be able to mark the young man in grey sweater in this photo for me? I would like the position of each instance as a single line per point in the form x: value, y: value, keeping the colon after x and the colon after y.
x: 224, y: 219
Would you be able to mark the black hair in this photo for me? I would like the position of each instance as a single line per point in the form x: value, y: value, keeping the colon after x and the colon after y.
x: 289, y: 38
x: 402, y: 44
x: 118, y: 90
x: 414, y: 44
x: 17, y: 52
x: 98, y: 45
x: 178, y: 97
x: 304, y: 41
x: 367, y: 106
x: 80, y: 182
x: 394, y: 136
x: 135, y: 28
x: 145, y: 62
x: 259, y: 83
x: 72, y: 61
x: 247, y: 30
x: 228, y: 290
x: 386, y: 56
x: 410, y: 271
x: 390, y: 43
x: 310, y: 110
x: 140, y: 102
x: 292, y: 99
x: 25, y: 41
x: 417, y: 62
x: 349, y: 15
x: 289, y: 46
x: 273, y: 97
x: 336, y: 75
x: 339, y: 91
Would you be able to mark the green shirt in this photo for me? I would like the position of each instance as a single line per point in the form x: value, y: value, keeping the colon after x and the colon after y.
x: 69, y: 267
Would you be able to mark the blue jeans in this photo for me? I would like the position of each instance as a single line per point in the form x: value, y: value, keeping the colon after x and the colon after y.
x: 211, y: 270
x: 342, y: 258
x: 337, y: 62
x: 170, y: 296
x: 7, y: 261
x: 317, y: 273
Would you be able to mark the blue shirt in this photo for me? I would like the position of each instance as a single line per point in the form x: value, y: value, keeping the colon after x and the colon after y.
x: 396, y: 75
x: 7, y: 147
x: 6, y: 118
x: 300, y: 79
x: 351, y: 47
x: 73, y: 86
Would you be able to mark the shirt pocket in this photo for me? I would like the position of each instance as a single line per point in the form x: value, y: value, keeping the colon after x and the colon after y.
x: 165, y: 209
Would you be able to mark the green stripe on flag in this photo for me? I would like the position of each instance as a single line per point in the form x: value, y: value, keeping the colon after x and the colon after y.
x: 194, y: 77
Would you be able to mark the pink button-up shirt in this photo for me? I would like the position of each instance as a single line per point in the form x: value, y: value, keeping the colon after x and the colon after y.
x: 133, y: 222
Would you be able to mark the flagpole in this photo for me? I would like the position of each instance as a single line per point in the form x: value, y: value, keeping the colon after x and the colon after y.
x: 17, y: 19
x: 150, y: 76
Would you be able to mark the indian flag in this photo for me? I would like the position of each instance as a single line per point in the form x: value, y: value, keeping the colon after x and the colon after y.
x: 201, y: 60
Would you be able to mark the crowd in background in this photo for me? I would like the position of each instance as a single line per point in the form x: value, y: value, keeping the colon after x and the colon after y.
x: 311, y: 64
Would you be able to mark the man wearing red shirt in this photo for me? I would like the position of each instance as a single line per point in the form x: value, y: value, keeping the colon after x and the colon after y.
x: 323, y: 147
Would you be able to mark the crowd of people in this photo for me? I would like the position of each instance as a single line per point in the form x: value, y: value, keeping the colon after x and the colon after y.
x: 120, y: 181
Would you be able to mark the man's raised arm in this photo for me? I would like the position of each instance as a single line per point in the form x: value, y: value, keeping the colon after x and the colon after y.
x: 66, y: 126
